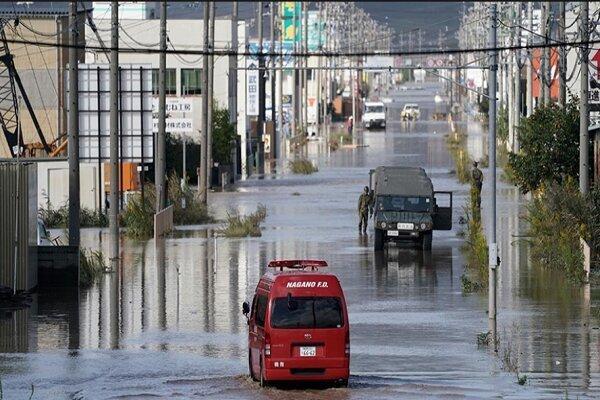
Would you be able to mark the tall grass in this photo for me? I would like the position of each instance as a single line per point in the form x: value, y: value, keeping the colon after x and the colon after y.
x: 91, y: 267
x: 338, y: 138
x: 475, y: 276
x: 244, y: 225
x: 138, y: 215
x: 302, y: 166
x: 59, y: 217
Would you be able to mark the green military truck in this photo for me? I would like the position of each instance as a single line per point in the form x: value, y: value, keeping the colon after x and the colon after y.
x: 405, y: 206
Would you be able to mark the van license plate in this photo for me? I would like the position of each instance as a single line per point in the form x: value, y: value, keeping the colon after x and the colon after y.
x: 404, y: 225
x: 392, y: 233
x: 308, y: 351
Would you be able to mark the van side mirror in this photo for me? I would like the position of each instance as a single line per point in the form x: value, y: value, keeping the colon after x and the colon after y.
x: 245, y: 308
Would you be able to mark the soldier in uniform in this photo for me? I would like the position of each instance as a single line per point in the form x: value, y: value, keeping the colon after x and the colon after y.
x: 364, y: 203
x: 477, y: 182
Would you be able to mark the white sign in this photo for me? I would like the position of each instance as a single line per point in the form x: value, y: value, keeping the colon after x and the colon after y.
x: 174, y: 105
x: 177, y: 111
x: 252, y: 90
x: 175, y: 125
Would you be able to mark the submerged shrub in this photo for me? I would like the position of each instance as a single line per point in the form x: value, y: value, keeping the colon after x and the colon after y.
x: 244, y: 225
x: 91, y: 267
x: 302, y: 166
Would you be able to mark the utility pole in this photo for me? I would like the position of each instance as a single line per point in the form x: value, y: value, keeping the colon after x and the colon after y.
x: 562, y: 58
x: 113, y: 217
x: 294, y: 76
x: 545, y: 65
x: 318, y: 100
x: 529, y: 70
x: 261, y: 92
x: 584, y: 182
x: 209, y: 95
x: 159, y: 172
x: 281, y: 140
x: 518, y: 66
x: 202, y: 192
x: 493, y: 249
x: 305, y: 70
x: 73, y: 138
x: 272, y: 59
x: 233, y: 67
x: 301, y: 71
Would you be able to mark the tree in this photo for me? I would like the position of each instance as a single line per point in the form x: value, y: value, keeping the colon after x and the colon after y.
x: 549, y: 147
x: 223, y: 136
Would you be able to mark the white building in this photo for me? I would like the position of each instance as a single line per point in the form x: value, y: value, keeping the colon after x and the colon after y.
x: 184, y: 76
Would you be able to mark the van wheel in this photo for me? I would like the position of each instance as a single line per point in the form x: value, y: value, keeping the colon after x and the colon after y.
x: 426, y: 240
x: 379, y: 242
x: 342, y: 383
x: 250, y: 367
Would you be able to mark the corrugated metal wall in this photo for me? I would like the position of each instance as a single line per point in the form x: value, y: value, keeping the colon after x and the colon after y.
x: 11, y: 208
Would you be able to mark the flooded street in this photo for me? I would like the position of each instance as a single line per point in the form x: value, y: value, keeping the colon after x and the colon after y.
x: 168, y: 324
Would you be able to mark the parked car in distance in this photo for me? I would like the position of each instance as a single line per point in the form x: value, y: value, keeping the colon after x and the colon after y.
x: 298, y: 327
x: 374, y: 115
x: 410, y: 112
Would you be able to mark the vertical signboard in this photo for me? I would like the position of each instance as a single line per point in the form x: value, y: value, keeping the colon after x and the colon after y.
x: 316, y: 31
x: 252, y: 88
x: 291, y: 10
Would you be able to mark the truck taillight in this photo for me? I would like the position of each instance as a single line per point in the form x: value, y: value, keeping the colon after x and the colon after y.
x: 347, y: 349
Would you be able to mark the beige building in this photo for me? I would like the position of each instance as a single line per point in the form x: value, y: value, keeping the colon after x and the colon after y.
x: 40, y: 68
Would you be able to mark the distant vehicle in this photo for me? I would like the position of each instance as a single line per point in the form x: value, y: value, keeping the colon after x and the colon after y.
x: 374, y: 115
x: 298, y: 325
x: 410, y: 112
x: 405, y: 206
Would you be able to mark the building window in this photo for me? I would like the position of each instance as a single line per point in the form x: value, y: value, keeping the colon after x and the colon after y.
x: 191, y: 81
x: 171, y: 84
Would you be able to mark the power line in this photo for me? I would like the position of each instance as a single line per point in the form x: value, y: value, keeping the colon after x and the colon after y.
x: 229, y: 52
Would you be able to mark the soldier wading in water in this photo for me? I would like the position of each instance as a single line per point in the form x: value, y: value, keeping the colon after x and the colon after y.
x: 364, y: 205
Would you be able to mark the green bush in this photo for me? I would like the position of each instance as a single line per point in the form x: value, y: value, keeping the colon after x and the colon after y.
x: 223, y: 136
x: 555, y: 225
x: 549, y: 150
x: 91, y: 267
x: 138, y: 215
x: 244, y: 225
x: 302, y: 166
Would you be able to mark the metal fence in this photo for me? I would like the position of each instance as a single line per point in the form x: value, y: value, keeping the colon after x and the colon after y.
x: 18, y: 213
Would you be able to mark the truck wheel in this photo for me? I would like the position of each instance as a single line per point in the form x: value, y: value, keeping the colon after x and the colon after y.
x: 379, y: 242
x: 426, y: 240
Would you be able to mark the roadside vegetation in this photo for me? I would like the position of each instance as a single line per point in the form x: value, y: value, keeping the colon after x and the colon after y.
x: 475, y: 276
x: 239, y: 226
x: 59, y: 217
x: 138, y: 215
x: 91, y: 267
x: 339, y: 138
x: 302, y: 166
x: 547, y: 165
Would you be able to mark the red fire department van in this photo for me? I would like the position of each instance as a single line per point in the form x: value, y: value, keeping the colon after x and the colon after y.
x: 298, y: 325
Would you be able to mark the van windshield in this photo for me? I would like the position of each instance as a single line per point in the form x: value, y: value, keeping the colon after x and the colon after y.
x: 374, y: 109
x: 402, y: 203
x: 307, y: 312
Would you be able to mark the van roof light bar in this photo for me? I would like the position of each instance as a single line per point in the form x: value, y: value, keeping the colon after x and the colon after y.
x: 297, y: 264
